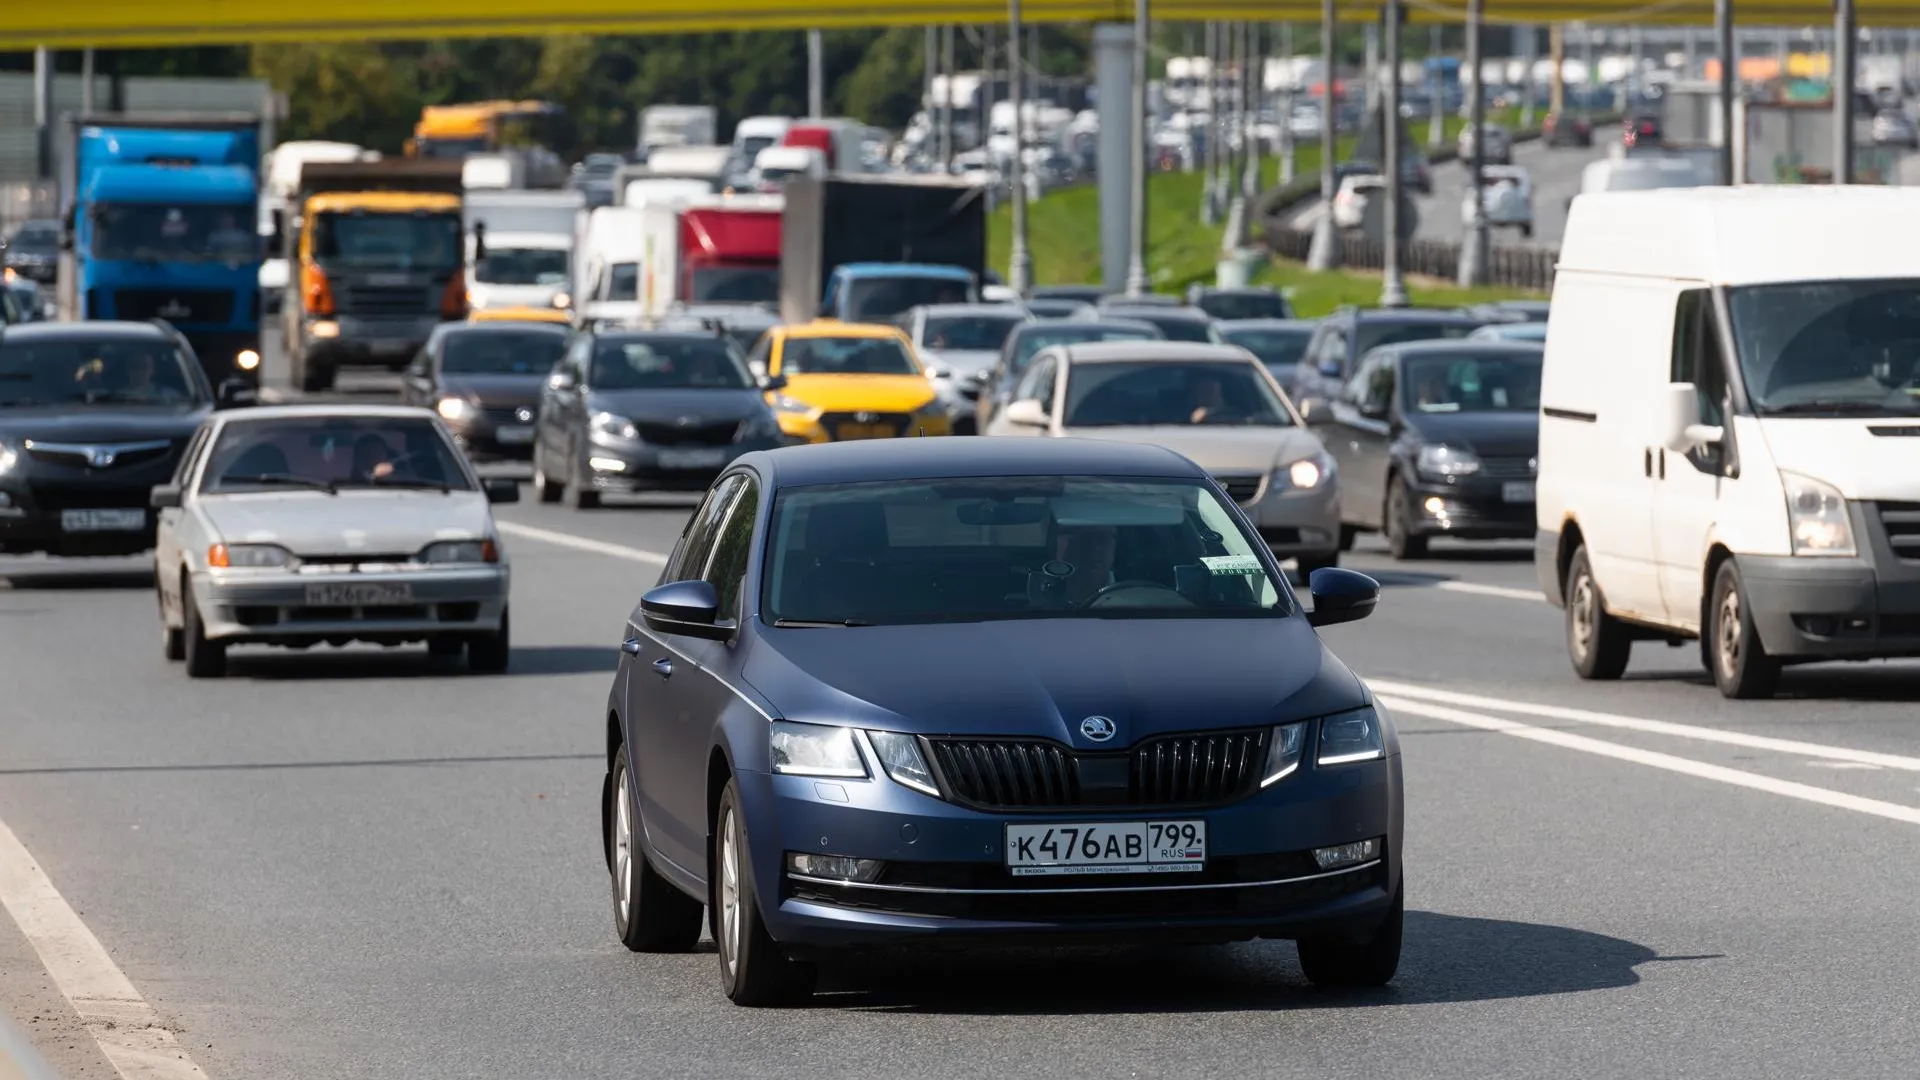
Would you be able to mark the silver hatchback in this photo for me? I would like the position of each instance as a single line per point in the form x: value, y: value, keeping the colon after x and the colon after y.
x: 305, y: 525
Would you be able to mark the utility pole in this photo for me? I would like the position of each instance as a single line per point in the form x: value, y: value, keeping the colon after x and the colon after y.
x: 1437, y: 114
x: 1020, y: 266
x: 43, y: 111
x: 1393, y: 289
x: 1288, y: 160
x: 86, y: 82
x: 1209, y: 189
x: 1557, y: 56
x: 1473, y: 249
x: 1137, y: 282
x: 816, y: 77
x: 946, y: 100
x: 1324, y: 254
x: 1729, y: 85
x: 1846, y: 38
x: 1528, y: 46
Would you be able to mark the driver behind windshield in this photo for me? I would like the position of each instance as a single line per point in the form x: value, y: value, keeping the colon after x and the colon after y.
x: 1210, y: 404
x: 1088, y: 552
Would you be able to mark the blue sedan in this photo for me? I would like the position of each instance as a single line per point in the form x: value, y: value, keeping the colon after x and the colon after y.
x: 1032, y: 691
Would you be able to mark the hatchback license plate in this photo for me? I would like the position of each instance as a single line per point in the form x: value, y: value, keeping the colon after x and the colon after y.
x: 692, y: 459
x: 514, y: 436
x: 102, y: 520
x: 1520, y: 491
x: 1108, y: 847
x: 359, y: 594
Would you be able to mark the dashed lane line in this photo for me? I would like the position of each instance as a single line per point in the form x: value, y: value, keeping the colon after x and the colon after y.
x: 127, y: 1029
x: 1502, y: 591
x: 581, y: 543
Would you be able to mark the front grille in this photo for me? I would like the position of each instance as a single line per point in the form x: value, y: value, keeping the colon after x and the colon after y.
x: 385, y: 300
x: 178, y: 306
x: 1508, y: 468
x: 135, y: 455
x: 1038, y: 774
x: 660, y: 433
x: 1901, y: 520
x: 1241, y: 489
x: 509, y: 414
x: 877, y: 425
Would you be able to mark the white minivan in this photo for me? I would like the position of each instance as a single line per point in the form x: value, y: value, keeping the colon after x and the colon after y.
x: 1730, y: 428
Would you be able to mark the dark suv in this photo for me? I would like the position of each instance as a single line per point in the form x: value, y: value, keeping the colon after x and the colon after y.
x: 93, y: 415
x: 1343, y: 337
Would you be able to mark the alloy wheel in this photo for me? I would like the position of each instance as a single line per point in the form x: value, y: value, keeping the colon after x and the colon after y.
x: 1727, y: 633
x: 729, y: 942
x: 623, y: 850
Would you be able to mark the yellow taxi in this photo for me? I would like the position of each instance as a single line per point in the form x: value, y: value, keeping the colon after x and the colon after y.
x: 848, y: 381
x: 522, y: 314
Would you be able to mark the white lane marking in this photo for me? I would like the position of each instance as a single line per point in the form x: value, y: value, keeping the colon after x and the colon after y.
x: 1653, y: 727
x: 1654, y: 759
x: 126, y: 1027
x: 581, y: 543
x: 1843, y: 765
x: 1501, y: 591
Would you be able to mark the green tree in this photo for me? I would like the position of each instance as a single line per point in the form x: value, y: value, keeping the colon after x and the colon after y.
x: 353, y: 92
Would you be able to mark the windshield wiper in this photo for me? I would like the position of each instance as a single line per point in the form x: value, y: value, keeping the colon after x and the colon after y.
x: 282, y: 480
x: 1838, y: 406
x: 120, y: 397
x: 411, y: 485
x: 803, y: 624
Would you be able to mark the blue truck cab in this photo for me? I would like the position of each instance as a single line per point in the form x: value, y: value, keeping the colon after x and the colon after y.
x: 882, y: 292
x: 163, y: 224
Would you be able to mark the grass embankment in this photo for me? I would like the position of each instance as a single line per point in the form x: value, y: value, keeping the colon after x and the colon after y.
x: 1063, y: 233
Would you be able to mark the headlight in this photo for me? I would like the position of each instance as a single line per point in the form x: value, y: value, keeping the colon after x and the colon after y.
x: 9, y: 457
x: 561, y: 300
x: 248, y: 556
x: 606, y: 423
x: 792, y: 405
x: 900, y: 756
x: 1351, y: 736
x: 460, y: 551
x: 815, y: 750
x: 1448, y: 461
x: 1817, y: 517
x: 1306, y: 474
x: 1283, y: 756
x: 454, y: 408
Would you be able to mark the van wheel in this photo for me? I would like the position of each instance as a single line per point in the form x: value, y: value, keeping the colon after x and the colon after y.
x: 1741, y: 666
x: 1597, y: 643
x: 1402, y: 543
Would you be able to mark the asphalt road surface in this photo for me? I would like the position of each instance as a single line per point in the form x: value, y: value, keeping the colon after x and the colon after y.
x: 354, y: 863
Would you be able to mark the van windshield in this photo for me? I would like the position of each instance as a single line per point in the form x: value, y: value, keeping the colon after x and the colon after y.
x: 1829, y: 348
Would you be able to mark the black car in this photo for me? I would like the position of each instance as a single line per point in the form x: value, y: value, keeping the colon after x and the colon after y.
x: 33, y: 251
x: 1438, y: 438
x: 484, y: 379
x: 25, y: 299
x: 1279, y: 343
x: 635, y: 410
x: 1344, y: 337
x: 1085, y: 294
x: 1246, y: 302
x: 92, y: 416
x: 1028, y: 339
x: 1177, y: 322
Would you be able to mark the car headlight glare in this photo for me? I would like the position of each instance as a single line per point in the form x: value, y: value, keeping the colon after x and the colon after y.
x: 454, y: 408
x: 900, y: 757
x: 793, y: 405
x: 562, y: 300
x: 1350, y: 736
x: 1283, y: 752
x: 248, y: 556
x: 460, y: 551
x: 1307, y: 474
x: 1817, y: 517
x: 9, y: 457
x: 815, y: 750
x: 615, y: 425
x: 1448, y: 461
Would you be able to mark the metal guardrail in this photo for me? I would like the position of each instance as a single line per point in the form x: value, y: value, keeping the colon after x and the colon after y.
x: 18, y: 1059
x: 1529, y: 268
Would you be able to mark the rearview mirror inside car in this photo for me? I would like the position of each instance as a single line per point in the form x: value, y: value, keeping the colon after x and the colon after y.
x: 1341, y: 596
x: 687, y: 608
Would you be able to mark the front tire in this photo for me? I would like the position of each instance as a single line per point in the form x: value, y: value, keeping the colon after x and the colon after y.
x: 544, y: 487
x: 1741, y: 667
x: 206, y: 659
x: 488, y: 654
x: 1402, y: 542
x: 1597, y: 643
x: 753, y: 970
x: 1346, y: 964
x: 648, y: 912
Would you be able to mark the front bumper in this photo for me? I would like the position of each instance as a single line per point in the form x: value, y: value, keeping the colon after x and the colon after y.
x: 62, y: 511
x: 366, y: 340
x: 1861, y: 608
x: 493, y: 438
x: 1471, y: 508
x: 275, y: 607
x: 945, y: 879
x: 624, y: 467
x: 1297, y: 523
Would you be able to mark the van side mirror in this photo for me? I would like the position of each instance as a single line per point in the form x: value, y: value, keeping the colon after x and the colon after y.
x: 1028, y: 413
x: 1341, y: 596
x: 1681, y: 431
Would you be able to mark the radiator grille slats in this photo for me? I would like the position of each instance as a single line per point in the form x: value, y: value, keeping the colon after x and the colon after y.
x: 1038, y: 774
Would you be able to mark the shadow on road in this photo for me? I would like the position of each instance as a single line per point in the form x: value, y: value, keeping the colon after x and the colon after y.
x: 1448, y: 958
x: 1888, y: 680
x: 411, y: 663
x: 64, y: 579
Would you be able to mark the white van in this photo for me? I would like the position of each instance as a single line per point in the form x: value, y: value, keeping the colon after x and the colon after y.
x: 1730, y: 428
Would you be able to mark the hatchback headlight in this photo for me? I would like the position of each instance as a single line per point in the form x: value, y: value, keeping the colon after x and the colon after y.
x: 815, y: 750
x: 1448, y: 461
x: 1283, y: 753
x: 793, y: 405
x: 460, y: 551
x: 1307, y: 474
x: 248, y: 556
x: 1817, y: 517
x: 1351, y: 736
x: 900, y: 756
x: 615, y: 425
x: 454, y: 408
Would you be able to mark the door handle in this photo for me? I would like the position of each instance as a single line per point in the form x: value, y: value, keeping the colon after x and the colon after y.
x: 664, y: 666
x: 631, y: 646
x: 1663, y: 463
x: 1646, y: 461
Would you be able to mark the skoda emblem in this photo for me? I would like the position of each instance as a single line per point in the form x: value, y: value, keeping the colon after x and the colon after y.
x: 688, y: 421
x: 1097, y: 728
x: 523, y: 415
x: 99, y: 457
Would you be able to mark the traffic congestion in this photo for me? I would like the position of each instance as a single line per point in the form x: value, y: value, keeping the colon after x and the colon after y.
x: 687, y: 613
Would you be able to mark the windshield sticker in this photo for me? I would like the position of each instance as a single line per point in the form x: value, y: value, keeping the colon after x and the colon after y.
x: 1241, y: 565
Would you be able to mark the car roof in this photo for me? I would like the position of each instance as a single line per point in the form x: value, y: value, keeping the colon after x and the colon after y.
x: 936, y: 270
x: 84, y: 330
x: 1462, y: 347
x: 1011, y: 311
x: 1050, y: 325
x: 1150, y: 312
x: 1228, y: 326
x: 1172, y: 352
x: 830, y: 328
x: 499, y: 325
x: 1427, y: 315
x: 636, y: 333
x: 935, y: 458
x: 341, y: 410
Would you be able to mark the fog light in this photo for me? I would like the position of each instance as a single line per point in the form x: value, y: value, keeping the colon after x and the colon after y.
x: 324, y: 330
x: 1435, y: 505
x: 607, y: 464
x: 1333, y: 858
x: 247, y: 360
x: 834, y: 867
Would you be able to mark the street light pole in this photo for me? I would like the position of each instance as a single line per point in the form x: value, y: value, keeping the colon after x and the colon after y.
x: 1288, y: 160
x: 1020, y: 266
x: 1324, y: 254
x: 1473, y: 251
x: 1845, y: 40
x: 1137, y: 257
x: 1437, y: 113
x: 1209, y: 192
x: 816, y: 76
x: 1729, y: 83
x: 1393, y: 288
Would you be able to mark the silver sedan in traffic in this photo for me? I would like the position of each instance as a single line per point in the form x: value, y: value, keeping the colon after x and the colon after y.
x: 305, y: 525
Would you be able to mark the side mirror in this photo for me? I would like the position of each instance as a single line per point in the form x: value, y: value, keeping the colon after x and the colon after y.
x: 1373, y: 409
x: 235, y: 393
x: 501, y: 489
x: 1341, y: 596
x: 560, y: 380
x: 1329, y: 368
x: 687, y: 608
x: 1680, y: 431
x: 773, y: 382
x: 1028, y: 413
x: 165, y: 497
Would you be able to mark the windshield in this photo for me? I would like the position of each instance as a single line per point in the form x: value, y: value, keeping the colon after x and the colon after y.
x: 330, y: 452
x: 736, y: 285
x: 875, y: 298
x: 1453, y: 383
x: 846, y: 356
x: 36, y: 237
x: 1017, y: 547
x: 157, y: 233
x: 75, y: 371
x: 668, y: 363
x: 1031, y: 341
x: 623, y: 281
x: 1848, y: 347
x: 502, y: 352
x: 522, y: 266
x: 361, y: 239
x: 969, y: 333
x: 1245, y: 306
x: 1149, y: 393
x: 1275, y: 348
x: 751, y: 145
x: 1371, y: 335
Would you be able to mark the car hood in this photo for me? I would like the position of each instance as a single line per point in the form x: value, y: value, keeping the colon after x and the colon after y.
x: 100, y: 424
x: 670, y: 405
x: 1217, y: 449
x: 875, y: 393
x: 495, y: 391
x: 1041, y: 677
x: 1489, y: 434
x: 1845, y: 452
x: 355, y: 521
